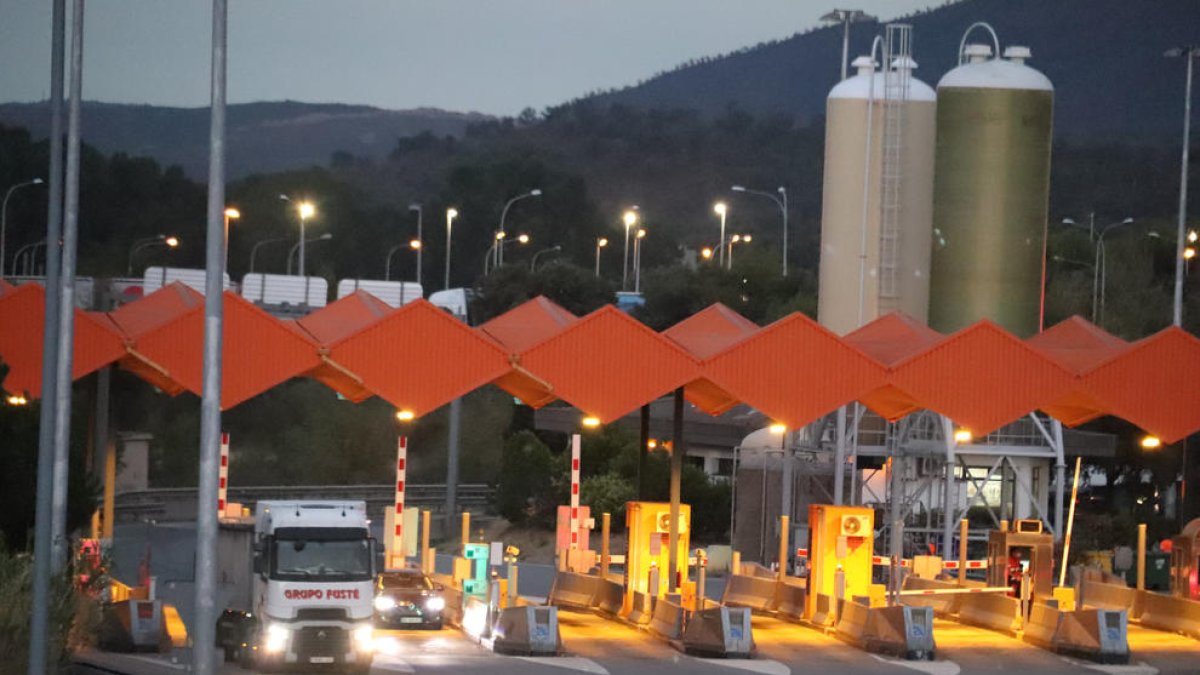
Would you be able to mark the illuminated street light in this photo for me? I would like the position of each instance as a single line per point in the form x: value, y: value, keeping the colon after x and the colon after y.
x: 590, y: 422
x: 778, y: 428
x: 170, y: 242
x: 504, y: 213
x: 706, y: 253
x: 451, y: 214
x: 1151, y: 442
x: 630, y: 218
x: 16, y: 400
x: 600, y: 243
x: 637, y: 260
x: 721, y: 209
x: 735, y: 239
x: 405, y: 415
x: 962, y: 436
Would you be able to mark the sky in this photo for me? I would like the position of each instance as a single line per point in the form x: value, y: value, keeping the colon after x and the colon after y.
x: 490, y: 56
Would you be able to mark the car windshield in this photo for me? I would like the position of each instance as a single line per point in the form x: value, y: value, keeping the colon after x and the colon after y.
x: 328, y: 560
x: 417, y: 582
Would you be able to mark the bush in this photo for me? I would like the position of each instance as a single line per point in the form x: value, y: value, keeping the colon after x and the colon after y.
x: 530, y: 479
x: 67, y: 608
x: 607, y: 494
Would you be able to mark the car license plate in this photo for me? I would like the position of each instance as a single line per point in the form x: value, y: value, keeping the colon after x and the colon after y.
x: 320, y: 659
x: 410, y: 619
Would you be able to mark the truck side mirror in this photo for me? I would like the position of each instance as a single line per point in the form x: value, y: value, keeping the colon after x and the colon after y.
x: 260, y: 558
x: 374, y: 544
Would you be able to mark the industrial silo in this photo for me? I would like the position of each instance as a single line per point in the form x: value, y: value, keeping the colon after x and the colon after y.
x: 875, y: 236
x: 991, y: 187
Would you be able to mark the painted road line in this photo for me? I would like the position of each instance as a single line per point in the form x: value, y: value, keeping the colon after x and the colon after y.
x: 1139, y: 668
x: 930, y: 667
x: 570, y: 662
x: 763, y: 666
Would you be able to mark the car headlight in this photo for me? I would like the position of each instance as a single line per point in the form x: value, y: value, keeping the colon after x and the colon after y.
x: 276, y: 638
x: 435, y: 604
x: 384, y: 603
x: 364, y: 638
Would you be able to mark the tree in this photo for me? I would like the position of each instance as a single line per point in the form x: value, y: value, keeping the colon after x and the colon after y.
x: 577, y: 290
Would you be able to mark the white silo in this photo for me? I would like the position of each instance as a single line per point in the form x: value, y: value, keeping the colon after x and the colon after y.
x: 876, y: 222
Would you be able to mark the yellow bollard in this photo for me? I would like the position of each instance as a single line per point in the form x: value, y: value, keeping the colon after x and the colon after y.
x: 426, y: 562
x: 735, y: 563
x: 605, y: 528
x: 783, y: 547
x: 1004, y: 526
x: 466, y: 530
x: 963, y: 527
x: 1141, y: 561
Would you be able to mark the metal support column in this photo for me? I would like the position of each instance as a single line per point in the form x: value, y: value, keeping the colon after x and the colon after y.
x: 949, y: 489
x: 839, y: 457
x: 452, y: 440
x: 677, y: 453
x: 1060, y: 480
x: 643, y: 453
x: 203, y: 626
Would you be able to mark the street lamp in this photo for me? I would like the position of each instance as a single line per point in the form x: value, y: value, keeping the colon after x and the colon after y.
x: 630, y: 218
x: 300, y: 245
x: 1189, y: 53
x: 496, y: 252
x: 254, y: 249
x: 305, y: 210
x: 414, y: 244
x: 601, y: 242
x: 157, y: 240
x: 29, y: 259
x: 637, y: 260
x: 536, y: 192
x: 4, y: 216
x: 735, y: 239
x: 230, y: 214
x: 552, y: 249
x: 721, y: 209
x: 451, y: 214
x: 706, y: 253
x: 846, y: 17
x: 1100, y: 267
x: 782, y: 203
x: 420, y: 238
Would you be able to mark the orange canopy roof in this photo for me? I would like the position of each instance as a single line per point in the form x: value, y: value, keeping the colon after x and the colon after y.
x: 145, y: 314
x: 1154, y: 383
x: 608, y: 364
x: 516, y: 331
x: 1078, y: 345
x: 704, y: 335
x: 419, y: 357
x: 258, y: 351
x: 982, y: 377
x: 22, y: 316
x: 794, y: 370
x: 335, y: 322
x: 889, y: 340
x: 5, y: 287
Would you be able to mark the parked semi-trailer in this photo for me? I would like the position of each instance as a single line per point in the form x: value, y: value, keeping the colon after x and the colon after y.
x: 309, y: 598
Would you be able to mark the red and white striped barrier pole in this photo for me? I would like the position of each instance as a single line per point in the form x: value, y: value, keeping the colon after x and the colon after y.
x: 398, y: 518
x: 971, y: 564
x: 574, y: 492
x: 223, y: 480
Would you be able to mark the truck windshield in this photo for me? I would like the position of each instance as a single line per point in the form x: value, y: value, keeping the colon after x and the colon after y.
x: 327, y: 560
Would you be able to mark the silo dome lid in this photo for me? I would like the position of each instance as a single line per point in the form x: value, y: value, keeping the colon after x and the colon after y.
x: 987, y: 73
x: 859, y: 86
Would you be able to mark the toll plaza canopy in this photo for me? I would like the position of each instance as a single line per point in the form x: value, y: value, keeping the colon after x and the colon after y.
x: 607, y: 364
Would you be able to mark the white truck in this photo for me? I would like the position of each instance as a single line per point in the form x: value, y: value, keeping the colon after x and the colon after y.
x: 311, y: 591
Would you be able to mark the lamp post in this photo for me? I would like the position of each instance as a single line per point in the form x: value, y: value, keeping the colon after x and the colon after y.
x: 496, y: 252
x: 1189, y: 53
x: 630, y: 218
x: 419, y: 248
x: 300, y: 245
x: 536, y: 192
x: 254, y: 249
x: 533, y: 263
x: 1100, y: 267
x: 451, y: 214
x: 735, y: 239
x: 4, y: 216
x: 780, y: 201
x: 158, y: 240
x: 414, y: 244
x: 637, y: 260
x: 720, y: 208
x: 846, y: 17
x: 305, y: 210
x: 601, y: 242
x: 230, y: 214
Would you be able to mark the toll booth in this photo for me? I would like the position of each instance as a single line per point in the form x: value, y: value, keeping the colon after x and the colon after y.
x: 841, y: 541
x: 649, y: 526
x: 1185, y: 562
x: 1025, y: 547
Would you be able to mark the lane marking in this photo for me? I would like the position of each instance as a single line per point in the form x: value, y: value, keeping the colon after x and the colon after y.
x: 1139, y: 668
x: 930, y: 667
x: 570, y: 662
x: 392, y: 664
x: 763, y: 666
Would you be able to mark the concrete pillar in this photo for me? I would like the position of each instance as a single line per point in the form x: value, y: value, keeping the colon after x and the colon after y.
x: 605, y: 527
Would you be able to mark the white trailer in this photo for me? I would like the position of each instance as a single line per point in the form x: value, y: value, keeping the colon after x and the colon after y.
x: 394, y: 293
x: 157, y: 277
x: 285, y: 289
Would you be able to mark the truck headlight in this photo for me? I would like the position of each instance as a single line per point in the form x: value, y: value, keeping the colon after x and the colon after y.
x: 276, y: 638
x: 364, y: 638
x: 384, y: 603
x: 435, y: 604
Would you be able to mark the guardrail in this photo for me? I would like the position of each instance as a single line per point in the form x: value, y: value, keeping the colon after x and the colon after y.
x: 179, y: 504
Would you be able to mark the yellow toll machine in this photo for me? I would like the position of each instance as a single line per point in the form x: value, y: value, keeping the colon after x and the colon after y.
x: 841, y: 542
x: 649, y: 526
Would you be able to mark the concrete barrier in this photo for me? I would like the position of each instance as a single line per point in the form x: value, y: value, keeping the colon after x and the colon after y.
x: 793, y: 594
x: 825, y: 612
x: 667, y: 620
x: 610, y: 596
x: 642, y: 610
x: 527, y: 631
x: 1094, y: 634
x: 991, y: 610
x: 721, y: 632
x: 1169, y: 613
x: 906, y: 632
x: 573, y: 590
x: 757, y: 593
x: 453, y: 613
x: 942, y: 605
x: 1100, y: 595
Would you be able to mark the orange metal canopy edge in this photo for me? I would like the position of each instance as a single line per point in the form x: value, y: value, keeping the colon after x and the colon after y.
x: 607, y: 364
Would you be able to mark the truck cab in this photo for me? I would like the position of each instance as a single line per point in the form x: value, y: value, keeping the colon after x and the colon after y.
x: 313, y: 588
